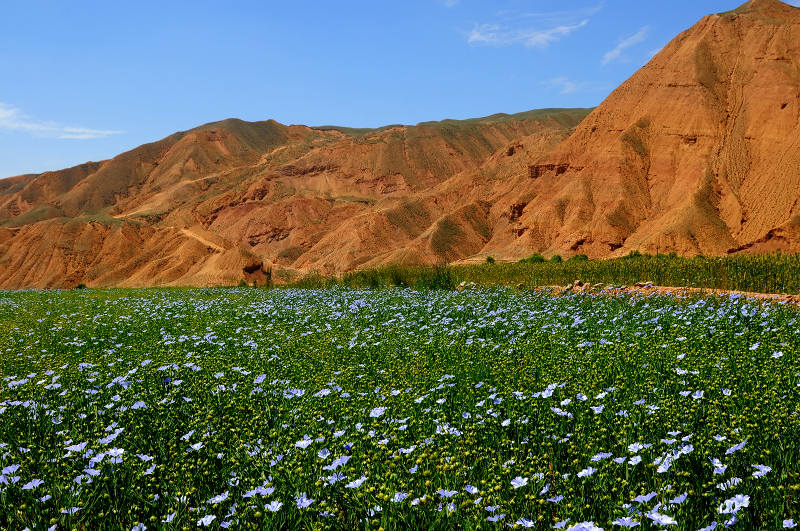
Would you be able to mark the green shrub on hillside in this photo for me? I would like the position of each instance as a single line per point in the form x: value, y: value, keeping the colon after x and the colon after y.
x: 535, y: 258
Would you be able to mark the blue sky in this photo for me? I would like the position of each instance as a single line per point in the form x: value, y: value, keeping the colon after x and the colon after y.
x: 86, y: 80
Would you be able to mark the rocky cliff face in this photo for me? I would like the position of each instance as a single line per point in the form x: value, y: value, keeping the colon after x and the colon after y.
x: 698, y: 152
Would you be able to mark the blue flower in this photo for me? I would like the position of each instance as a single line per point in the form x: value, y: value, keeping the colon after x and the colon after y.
x: 626, y: 521
x: 303, y: 501
x: 519, y: 482
x: 206, y: 520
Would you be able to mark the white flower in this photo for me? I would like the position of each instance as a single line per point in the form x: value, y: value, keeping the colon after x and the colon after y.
x: 335, y: 478
x: 733, y: 505
x: 274, y: 506
x: 518, y: 482
x: 399, y: 496
x: 729, y: 484
x: 661, y: 519
x: 719, y: 468
x: 76, y: 447
x: 32, y: 484
x: 303, y: 443
x: 636, y: 447
x: 645, y: 498
x: 339, y: 461
x: 356, y: 483
x: 219, y: 498
x: 206, y: 520
x: 677, y: 500
x: 735, y: 448
x: 585, y: 526
x: 377, y: 412
x: 586, y: 472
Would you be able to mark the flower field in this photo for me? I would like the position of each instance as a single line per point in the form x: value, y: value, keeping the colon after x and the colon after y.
x: 248, y: 408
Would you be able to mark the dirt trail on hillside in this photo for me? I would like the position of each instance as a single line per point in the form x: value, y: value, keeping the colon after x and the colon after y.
x: 192, y: 234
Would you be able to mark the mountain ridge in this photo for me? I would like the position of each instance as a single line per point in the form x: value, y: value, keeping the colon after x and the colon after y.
x: 262, y: 193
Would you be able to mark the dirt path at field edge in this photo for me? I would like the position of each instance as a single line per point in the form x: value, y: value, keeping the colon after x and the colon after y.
x: 645, y: 289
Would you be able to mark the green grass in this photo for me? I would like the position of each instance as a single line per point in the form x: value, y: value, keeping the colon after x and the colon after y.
x: 393, y: 408
x: 763, y: 273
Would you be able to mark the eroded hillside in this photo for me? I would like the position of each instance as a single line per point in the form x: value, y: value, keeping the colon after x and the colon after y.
x: 230, y: 200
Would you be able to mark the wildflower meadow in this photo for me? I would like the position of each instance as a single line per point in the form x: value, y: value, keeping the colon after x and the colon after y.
x: 429, y: 409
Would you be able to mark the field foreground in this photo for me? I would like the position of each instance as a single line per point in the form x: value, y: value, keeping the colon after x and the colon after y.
x: 397, y: 408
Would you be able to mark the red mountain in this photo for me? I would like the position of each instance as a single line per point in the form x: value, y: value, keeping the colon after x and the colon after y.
x: 696, y: 153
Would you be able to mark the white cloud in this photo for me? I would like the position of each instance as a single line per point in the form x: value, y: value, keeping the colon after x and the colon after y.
x: 545, y: 37
x: 634, y: 39
x: 531, y: 29
x: 13, y: 119
x: 563, y: 84
x: 485, y: 34
x: 500, y: 35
